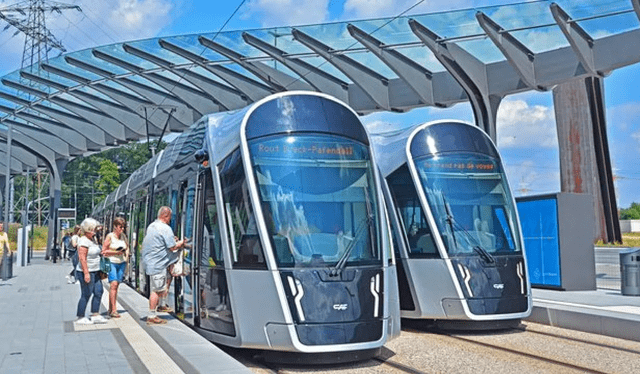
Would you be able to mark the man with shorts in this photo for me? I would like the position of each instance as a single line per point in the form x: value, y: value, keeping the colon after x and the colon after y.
x: 159, y: 250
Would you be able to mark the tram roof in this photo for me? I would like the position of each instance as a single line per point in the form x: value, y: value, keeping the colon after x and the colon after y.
x: 101, y: 97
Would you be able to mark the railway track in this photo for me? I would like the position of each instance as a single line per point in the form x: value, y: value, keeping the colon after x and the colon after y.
x: 531, y: 348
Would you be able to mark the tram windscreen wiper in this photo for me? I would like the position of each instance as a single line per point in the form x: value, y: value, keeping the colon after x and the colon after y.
x: 476, y: 247
x: 364, y: 225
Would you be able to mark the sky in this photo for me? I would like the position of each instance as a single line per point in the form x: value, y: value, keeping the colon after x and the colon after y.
x: 527, y: 136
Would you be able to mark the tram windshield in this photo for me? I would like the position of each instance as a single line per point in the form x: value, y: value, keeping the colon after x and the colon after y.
x: 318, y: 200
x: 471, y: 204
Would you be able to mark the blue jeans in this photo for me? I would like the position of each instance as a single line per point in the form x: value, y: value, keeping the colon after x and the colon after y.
x: 74, y: 261
x: 94, y: 287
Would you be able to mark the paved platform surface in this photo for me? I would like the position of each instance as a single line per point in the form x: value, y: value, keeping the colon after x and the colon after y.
x: 38, y: 334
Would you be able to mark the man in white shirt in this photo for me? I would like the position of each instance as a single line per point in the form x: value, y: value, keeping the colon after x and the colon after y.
x: 159, y: 250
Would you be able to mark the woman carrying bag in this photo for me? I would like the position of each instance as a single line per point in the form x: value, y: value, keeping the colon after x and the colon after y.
x: 115, y: 248
x: 88, y: 273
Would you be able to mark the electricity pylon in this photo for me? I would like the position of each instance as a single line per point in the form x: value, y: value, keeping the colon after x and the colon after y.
x: 28, y: 17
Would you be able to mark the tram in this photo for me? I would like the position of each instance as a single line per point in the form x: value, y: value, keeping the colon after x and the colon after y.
x: 459, y: 249
x: 290, y: 241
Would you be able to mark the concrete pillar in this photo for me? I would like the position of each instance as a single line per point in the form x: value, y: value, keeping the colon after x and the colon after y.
x: 585, y: 166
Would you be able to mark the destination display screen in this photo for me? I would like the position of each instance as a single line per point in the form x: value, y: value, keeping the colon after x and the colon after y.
x: 460, y: 164
x: 307, y: 148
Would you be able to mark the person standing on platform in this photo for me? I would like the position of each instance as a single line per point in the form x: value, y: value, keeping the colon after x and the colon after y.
x: 88, y: 272
x: 159, y: 250
x: 71, y: 278
x: 116, y: 249
x: 4, y: 247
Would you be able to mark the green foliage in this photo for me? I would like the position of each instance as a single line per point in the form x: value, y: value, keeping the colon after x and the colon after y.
x: 633, y: 212
x: 39, y: 235
x: 109, y: 177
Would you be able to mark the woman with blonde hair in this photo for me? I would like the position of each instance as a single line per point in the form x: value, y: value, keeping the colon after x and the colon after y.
x: 88, y: 273
x: 115, y: 247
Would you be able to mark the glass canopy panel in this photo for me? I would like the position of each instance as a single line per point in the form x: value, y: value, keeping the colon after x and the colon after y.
x: 16, y: 78
x: 323, y: 65
x: 530, y: 14
x: 423, y: 56
x: 60, y: 63
x: 117, y: 51
x: 482, y: 49
x: 582, y: 9
x: 617, y: 24
x: 542, y: 39
x: 191, y: 44
x: 152, y: 47
x: 53, y: 77
x: 87, y: 57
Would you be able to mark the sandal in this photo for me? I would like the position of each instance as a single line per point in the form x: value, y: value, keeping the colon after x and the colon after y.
x: 114, y: 315
x: 156, y: 321
x: 164, y: 309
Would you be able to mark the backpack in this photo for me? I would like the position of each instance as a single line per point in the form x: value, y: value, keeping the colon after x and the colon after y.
x: 67, y: 244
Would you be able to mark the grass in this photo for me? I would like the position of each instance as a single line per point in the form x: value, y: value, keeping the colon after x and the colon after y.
x: 629, y: 239
x: 39, y: 236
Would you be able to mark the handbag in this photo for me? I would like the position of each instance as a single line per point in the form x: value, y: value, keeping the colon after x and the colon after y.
x: 105, y: 265
x: 177, y: 270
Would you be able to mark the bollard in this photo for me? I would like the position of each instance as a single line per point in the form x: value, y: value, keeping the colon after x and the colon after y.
x: 630, y: 272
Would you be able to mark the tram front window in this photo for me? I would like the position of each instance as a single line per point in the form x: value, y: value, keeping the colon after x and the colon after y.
x: 318, y: 200
x: 471, y: 203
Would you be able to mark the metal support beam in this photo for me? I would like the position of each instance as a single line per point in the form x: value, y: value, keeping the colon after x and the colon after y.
x: 111, y: 127
x: 636, y: 7
x: 373, y: 85
x: 468, y: 71
x: 519, y: 56
x: 250, y: 88
x: 320, y: 80
x: 277, y: 80
x: 184, y: 115
x: 225, y: 97
x: 580, y: 40
x: 133, y: 124
x: 193, y: 98
x: 414, y: 75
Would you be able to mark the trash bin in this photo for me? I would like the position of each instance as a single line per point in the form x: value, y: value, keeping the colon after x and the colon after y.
x: 630, y: 272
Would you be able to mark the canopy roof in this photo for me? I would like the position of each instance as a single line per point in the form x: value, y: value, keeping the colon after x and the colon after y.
x: 90, y: 100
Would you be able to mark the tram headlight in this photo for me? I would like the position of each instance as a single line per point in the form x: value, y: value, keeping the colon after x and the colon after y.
x: 201, y: 155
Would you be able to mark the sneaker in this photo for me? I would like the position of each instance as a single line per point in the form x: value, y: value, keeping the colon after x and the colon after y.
x: 84, y: 321
x: 164, y: 309
x: 98, y: 319
x: 156, y: 321
x: 71, y: 280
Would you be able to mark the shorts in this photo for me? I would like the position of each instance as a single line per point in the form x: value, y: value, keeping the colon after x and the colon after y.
x: 158, y: 282
x: 117, y: 272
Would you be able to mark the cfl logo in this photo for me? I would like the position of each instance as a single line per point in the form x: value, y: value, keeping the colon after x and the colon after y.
x: 340, y: 306
x: 498, y: 286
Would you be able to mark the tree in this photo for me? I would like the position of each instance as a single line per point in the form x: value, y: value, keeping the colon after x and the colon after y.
x: 633, y: 212
x: 109, y: 178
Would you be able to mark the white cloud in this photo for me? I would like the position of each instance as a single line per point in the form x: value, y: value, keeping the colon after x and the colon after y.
x: 522, y: 125
x: 287, y: 12
x: 528, y: 178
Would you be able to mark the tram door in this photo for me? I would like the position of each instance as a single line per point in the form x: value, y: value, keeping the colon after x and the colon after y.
x: 213, y: 293
x: 185, y: 230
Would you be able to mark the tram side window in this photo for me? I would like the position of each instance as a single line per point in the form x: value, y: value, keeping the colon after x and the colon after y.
x: 244, y: 241
x: 416, y: 228
x: 160, y: 198
x: 211, y: 250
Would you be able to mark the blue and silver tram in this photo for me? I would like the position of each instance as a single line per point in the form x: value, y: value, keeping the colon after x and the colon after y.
x: 291, y: 246
x: 459, y: 248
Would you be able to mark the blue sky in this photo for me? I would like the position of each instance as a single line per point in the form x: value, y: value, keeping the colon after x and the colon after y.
x: 526, y: 124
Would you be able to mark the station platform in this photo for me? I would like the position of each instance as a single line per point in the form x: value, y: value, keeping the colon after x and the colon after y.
x: 38, y: 334
x: 604, y: 312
